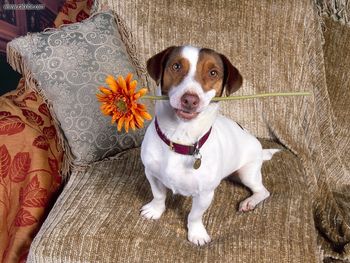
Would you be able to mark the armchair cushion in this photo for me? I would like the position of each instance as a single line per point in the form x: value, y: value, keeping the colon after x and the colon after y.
x: 97, y: 216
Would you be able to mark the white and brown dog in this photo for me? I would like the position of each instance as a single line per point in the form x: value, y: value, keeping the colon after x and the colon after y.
x: 189, y: 148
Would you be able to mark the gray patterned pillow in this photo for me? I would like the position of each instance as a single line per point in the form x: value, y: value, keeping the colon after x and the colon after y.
x: 69, y: 64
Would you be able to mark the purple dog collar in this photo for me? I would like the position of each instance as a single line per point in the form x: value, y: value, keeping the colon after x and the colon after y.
x: 180, y: 148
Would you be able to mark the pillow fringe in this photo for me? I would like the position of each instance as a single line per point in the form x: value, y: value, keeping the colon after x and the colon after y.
x: 16, y: 61
x: 127, y: 39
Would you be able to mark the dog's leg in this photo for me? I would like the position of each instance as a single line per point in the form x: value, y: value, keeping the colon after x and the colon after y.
x: 196, y: 230
x: 250, y: 176
x: 155, y: 208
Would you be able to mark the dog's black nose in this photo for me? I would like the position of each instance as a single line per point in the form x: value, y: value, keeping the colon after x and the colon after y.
x: 190, y: 101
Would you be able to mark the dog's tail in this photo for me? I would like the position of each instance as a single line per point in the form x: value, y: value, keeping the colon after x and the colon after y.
x: 268, y: 153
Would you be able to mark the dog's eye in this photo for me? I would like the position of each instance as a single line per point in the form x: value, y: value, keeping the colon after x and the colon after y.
x: 176, y: 66
x: 213, y: 73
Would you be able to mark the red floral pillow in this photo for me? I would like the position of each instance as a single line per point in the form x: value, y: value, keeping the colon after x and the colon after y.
x: 74, y: 11
x: 30, y: 158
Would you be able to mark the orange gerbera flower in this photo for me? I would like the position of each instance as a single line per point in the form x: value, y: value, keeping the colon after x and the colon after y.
x: 120, y: 102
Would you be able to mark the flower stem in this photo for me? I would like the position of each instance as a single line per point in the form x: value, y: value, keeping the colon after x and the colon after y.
x: 150, y: 97
x: 242, y: 97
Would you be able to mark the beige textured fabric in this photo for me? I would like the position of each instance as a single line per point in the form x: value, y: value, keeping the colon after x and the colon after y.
x: 278, y: 47
x: 240, y: 30
x: 101, y: 221
x: 337, y: 65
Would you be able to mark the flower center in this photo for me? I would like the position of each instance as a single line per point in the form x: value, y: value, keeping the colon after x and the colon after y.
x: 121, y: 105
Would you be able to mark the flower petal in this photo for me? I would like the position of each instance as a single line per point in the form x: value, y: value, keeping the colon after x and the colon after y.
x: 114, y: 118
x: 126, y: 126
x: 132, y: 124
x: 105, y: 90
x: 122, y: 84
x: 142, y: 91
x: 138, y: 119
x: 132, y: 86
x: 112, y: 83
x: 104, y: 111
x: 141, y: 107
x: 120, y: 123
x: 139, y: 124
x: 128, y: 78
x: 146, y: 115
x: 101, y: 97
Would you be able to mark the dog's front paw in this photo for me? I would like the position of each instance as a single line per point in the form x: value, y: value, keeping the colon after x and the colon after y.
x: 152, y: 210
x: 198, y: 235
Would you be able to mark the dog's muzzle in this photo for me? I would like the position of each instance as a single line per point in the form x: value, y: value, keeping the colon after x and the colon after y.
x: 189, y: 106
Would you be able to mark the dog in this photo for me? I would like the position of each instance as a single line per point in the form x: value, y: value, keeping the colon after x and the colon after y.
x: 189, y: 147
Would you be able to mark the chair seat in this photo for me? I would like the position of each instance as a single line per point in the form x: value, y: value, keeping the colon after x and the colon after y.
x: 96, y: 219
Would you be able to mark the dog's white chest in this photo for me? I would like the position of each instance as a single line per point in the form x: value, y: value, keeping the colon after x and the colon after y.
x: 176, y: 171
x: 180, y: 176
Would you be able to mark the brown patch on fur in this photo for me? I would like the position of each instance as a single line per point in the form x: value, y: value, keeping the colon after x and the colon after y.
x: 233, y: 79
x: 210, y: 61
x: 155, y: 65
x: 171, y: 76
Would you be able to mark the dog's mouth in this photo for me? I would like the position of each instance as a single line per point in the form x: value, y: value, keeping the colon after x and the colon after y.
x: 186, y: 114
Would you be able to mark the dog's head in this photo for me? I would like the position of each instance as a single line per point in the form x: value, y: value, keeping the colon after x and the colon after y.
x: 191, y: 77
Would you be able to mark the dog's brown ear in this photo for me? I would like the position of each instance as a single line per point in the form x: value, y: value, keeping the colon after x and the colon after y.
x: 232, y: 78
x: 156, y: 64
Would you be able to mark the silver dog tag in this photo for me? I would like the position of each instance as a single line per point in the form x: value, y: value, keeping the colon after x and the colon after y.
x: 197, y: 163
x: 198, y: 159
